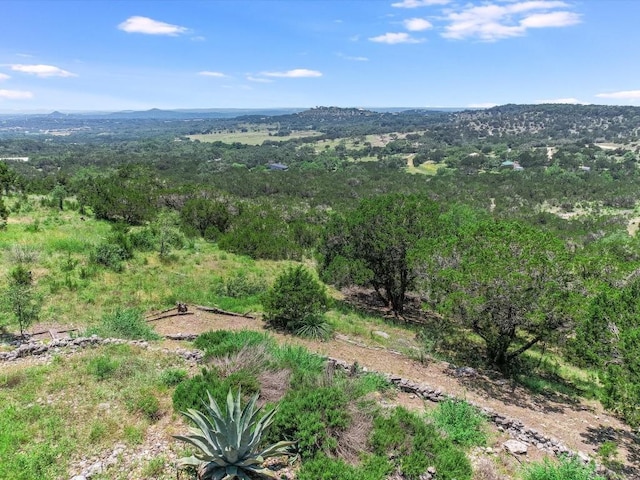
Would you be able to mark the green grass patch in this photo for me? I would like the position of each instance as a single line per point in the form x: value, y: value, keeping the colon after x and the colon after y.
x: 565, y: 469
x: 416, y: 445
x: 219, y: 343
x: 463, y: 423
x: 53, y: 414
x: 124, y: 323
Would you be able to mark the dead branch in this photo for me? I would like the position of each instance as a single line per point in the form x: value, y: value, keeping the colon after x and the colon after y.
x: 179, y: 314
x: 224, y: 312
x: 150, y: 315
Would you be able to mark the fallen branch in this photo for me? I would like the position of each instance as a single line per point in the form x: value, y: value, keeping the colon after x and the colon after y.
x: 179, y: 314
x: 224, y: 312
x: 49, y: 332
x: 160, y: 313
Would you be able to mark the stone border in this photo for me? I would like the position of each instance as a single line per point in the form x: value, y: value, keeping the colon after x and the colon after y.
x: 39, y: 348
x: 515, y: 428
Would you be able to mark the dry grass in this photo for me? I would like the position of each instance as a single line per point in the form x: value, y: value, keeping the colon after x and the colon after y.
x: 250, y: 358
x: 353, y: 441
x: 273, y: 385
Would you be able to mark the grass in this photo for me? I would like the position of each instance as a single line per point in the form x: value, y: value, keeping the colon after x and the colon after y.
x: 252, y: 137
x: 463, y: 424
x: 78, y: 406
x: 565, y: 469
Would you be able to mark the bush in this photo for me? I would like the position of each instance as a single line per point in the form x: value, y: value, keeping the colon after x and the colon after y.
x: 566, y: 469
x: 296, y: 302
x: 192, y: 393
x: 102, y: 367
x: 416, y: 445
x: 462, y: 423
x: 324, y: 468
x: 127, y: 323
x: 220, y: 343
x: 172, y: 376
x: 312, y: 417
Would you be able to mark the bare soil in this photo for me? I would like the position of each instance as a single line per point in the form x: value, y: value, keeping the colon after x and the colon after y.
x: 581, y: 425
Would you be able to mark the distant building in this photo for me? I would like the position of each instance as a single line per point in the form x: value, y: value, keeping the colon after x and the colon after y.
x: 584, y: 168
x: 278, y: 167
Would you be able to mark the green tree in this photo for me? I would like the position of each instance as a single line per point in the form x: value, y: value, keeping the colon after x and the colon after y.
x: 167, y: 232
x: 608, y: 338
x: 58, y: 194
x: 8, y: 178
x: 296, y: 300
x: 373, y: 245
x: 208, y: 217
x: 21, y: 299
x: 507, y: 281
x: 129, y: 195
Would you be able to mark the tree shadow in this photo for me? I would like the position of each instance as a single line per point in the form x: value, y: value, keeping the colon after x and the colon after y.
x: 626, y: 440
x: 492, y: 384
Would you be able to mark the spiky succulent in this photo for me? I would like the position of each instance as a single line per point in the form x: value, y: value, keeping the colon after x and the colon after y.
x: 229, y: 441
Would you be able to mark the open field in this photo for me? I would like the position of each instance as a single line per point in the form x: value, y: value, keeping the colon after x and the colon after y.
x: 251, y: 137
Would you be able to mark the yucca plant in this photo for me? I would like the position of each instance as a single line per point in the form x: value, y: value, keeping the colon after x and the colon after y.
x: 229, y: 442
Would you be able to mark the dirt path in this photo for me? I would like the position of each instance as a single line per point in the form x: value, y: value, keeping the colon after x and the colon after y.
x: 581, y: 426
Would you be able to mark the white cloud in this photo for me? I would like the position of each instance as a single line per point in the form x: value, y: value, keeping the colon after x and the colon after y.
x: 482, y: 105
x: 570, y: 100
x: 42, y: 70
x: 15, y: 95
x: 491, y: 21
x: 4, y: 76
x: 258, y: 79
x: 295, y: 73
x: 417, y: 24
x: 419, y: 3
x: 395, y: 38
x: 149, y: 26
x: 624, y: 95
x: 553, y: 19
x: 207, y: 73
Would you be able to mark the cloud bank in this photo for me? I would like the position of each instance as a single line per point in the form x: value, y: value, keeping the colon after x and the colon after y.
x: 149, y: 26
x: 42, y: 70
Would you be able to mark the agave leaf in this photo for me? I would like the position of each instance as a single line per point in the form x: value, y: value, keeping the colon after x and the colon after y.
x: 280, y: 448
x: 189, y: 461
x: 198, y: 444
x: 263, y: 472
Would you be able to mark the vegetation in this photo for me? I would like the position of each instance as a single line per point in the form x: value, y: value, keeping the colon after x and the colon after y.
x: 566, y: 469
x: 530, y: 270
x: 229, y: 440
x: 296, y: 303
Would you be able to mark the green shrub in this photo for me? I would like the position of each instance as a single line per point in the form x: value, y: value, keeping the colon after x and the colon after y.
x: 305, y: 365
x: 172, y: 376
x: 219, y: 343
x: 192, y: 392
x: 296, y: 300
x: 325, y: 468
x: 240, y: 284
x: 124, y: 323
x: 416, y: 445
x: 462, y: 423
x: 565, y: 469
x: 143, y: 401
x: 311, y: 417
x: 109, y: 255
x: 102, y: 367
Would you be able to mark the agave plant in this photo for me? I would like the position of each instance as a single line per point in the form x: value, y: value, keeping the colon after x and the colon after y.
x: 229, y: 442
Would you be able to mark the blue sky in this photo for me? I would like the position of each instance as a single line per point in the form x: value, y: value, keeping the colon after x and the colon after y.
x: 116, y: 55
